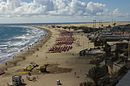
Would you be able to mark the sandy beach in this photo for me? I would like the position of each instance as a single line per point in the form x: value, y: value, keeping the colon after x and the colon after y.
x: 39, y: 55
x: 78, y: 66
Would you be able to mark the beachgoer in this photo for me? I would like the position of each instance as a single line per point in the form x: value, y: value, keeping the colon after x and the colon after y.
x: 6, y: 63
x: 75, y: 73
x: 46, y: 57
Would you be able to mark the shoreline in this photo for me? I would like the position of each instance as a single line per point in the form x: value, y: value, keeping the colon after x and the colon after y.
x: 23, y: 54
x: 59, y: 62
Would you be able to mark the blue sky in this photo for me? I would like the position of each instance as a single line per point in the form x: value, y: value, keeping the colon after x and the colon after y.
x: 49, y: 11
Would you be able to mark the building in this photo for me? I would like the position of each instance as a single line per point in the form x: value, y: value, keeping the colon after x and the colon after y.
x: 125, y: 81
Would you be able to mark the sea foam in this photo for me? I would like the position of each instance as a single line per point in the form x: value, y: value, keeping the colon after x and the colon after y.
x: 14, y: 41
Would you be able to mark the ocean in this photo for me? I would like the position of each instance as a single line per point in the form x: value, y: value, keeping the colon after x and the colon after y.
x: 14, y: 38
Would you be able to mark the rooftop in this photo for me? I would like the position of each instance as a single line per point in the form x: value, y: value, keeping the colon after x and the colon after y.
x: 125, y: 81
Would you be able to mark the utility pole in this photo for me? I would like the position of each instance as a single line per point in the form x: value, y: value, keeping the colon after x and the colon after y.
x: 94, y: 23
x: 83, y: 40
x: 129, y: 48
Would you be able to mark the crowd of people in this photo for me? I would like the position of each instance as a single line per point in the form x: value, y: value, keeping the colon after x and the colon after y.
x: 63, y: 43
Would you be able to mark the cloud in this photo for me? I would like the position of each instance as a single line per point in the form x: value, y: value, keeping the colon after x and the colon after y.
x: 68, y: 7
x: 53, y: 7
x: 96, y: 8
x: 3, y: 8
x: 116, y: 12
x: 29, y: 8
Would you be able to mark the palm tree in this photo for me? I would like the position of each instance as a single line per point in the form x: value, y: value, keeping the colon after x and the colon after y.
x: 109, y: 26
x: 114, y: 24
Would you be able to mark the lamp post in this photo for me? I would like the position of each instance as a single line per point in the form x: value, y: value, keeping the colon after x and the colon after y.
x: 83, y: 41
x: 94, y: 23
x: 129, y: 48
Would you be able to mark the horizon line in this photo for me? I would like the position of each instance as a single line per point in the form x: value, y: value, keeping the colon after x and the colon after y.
x: 33, y: 23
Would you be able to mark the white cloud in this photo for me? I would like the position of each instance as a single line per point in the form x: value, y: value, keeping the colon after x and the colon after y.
x: 53, y: 7
x: 116, y: 12
x: 96, y: 8
x: 30, y: 8
x: 13, y: 4
x: 3, y: 8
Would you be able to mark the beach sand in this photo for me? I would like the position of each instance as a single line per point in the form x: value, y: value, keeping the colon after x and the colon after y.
x: 79, y: 66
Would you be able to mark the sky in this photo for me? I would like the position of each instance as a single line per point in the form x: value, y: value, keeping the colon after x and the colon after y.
x: 59, y: 11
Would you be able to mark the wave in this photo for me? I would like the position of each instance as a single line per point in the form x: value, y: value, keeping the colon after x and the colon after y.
x: 12, y: 46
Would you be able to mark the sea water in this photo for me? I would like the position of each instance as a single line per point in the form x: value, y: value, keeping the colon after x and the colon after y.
x: 13, y: 39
